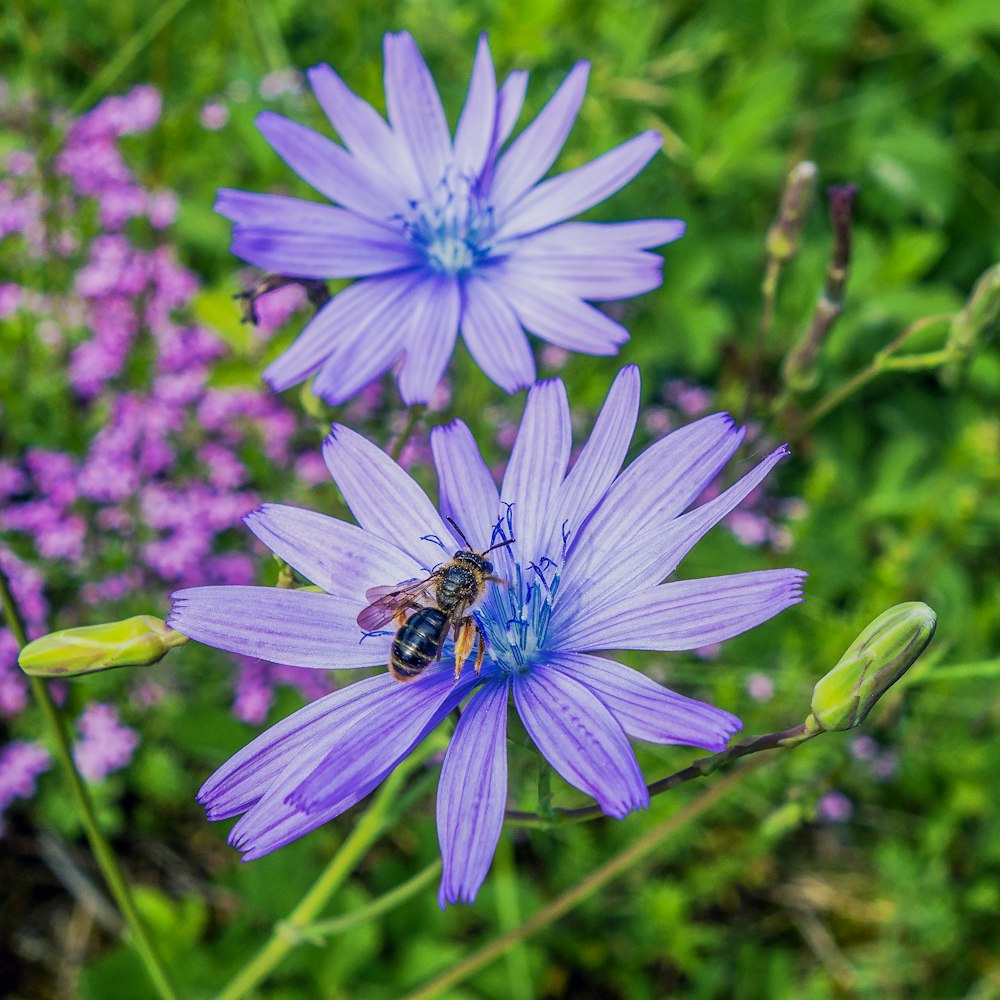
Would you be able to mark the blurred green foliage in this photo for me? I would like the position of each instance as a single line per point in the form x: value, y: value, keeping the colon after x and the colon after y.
x: 900, y: 489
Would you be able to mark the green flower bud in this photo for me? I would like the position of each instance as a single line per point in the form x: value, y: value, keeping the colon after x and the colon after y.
x: 873, y: 663
x: 134, y: 642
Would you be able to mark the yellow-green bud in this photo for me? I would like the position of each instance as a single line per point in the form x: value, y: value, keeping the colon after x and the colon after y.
x: 134, y: 642
x: 783, y: 236
x: 873, y: 663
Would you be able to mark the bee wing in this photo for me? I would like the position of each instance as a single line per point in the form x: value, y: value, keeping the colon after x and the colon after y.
x: 386, y: 602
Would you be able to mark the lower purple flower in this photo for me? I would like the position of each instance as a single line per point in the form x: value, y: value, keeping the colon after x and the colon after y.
x: 590, y: 549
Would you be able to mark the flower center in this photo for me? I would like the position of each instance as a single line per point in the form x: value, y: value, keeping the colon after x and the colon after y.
x: 515, y: 619
x: 453, y: 226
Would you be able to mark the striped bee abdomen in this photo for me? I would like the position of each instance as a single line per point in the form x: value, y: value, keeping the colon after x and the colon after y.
x: 417, y: 643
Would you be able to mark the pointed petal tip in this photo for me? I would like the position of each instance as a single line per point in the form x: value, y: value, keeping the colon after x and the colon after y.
x: 456, y: 426
x: 258, y: 514
x: 629, y: 373
x: 267, y: 119
x: 273, y: 381
x: 320, y: 69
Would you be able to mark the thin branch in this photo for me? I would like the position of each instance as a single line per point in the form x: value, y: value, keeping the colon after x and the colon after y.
x: 787, y: 738
x: 320, y: 931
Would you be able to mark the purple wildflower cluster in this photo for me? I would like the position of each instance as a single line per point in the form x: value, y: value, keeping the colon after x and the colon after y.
x: 120, y: 513
x: 21, y: 761
x: 21, y: 764
x: 105, y: 745
x: 160, y: 471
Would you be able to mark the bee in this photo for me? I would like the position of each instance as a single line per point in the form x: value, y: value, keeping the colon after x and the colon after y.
x: 435, y: 605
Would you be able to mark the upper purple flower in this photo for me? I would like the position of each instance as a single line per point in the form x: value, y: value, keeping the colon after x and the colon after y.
x: 591, y: 549
x: 445, y: 235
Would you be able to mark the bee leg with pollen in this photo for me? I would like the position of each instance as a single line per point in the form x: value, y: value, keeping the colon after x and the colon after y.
x: 480, y: 647
x: 465, y: 635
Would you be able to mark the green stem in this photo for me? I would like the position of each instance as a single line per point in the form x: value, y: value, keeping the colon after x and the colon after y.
x: 785, y: 739
x: 509, y: 918
x: 413, y: 416
x: 295, y: 930
x: 322, y: 929
x: 598, y: 879
x: 882, y: 362
x: 117, y: 883
x: 107, y: 77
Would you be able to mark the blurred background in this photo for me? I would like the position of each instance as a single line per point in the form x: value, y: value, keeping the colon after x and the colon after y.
x: 135, y: 432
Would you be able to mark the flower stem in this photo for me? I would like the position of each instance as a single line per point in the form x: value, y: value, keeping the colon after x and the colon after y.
x: 322, y: 929
x: 883, y: 362
x: 600, y: 877
x: 787, y: 738
x: 117, y: 883
x: 413, y: 416
x: 297, y: 929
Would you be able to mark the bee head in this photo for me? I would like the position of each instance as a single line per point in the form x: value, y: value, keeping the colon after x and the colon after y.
x: 474, y: 559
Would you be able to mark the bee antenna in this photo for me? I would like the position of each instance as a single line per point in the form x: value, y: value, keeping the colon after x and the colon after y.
x: 500, y: 545
x: 461, y: 534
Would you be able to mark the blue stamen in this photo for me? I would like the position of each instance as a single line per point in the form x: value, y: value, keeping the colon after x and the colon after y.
x: 453, y: 227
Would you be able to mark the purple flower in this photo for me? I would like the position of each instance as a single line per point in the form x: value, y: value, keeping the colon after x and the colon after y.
x: 591, y: 549
x: 21, y: 764
x: 106, y: 745
x: 445, y: 234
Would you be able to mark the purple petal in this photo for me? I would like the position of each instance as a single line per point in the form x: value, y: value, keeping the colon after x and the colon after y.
x: 477, y: 124
x: 372, y: 344
x: 610, y: 237
x: 245, y: 778
x: 494, y: 337
x: 598, y: 463
x: 577, y: 190
x: 653, y: 544
x: 547, y: 311
x: 365, y: 132
x: 278, y: 211
x: 580, y: 738
x: 644, y: 709
x: 358, y: 250
x: 433, y: 327
x: 385, y: 500
x: 342, y: 558
x: 647, y: 496
x: 537, y: 147
x: 275, y: 821
x: 403, y: 717
x: 329, y: 168
x: 597, y: 277
x: 297, y: 627
x: 472, y: 795
x: 537, y: 463
x: 510, y: 100
x: 680, y: 536
x: 339, y: 326
x: 684, y: 614
x: 467, y: 491
x: 414, y: 106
